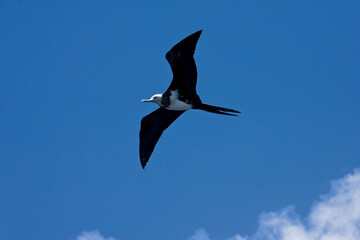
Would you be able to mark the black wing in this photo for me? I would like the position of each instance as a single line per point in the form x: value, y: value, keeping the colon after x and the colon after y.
x: 152, y: 126
x: 183, y: 65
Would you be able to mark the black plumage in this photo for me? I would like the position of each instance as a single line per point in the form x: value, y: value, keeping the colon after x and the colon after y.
x: 152, y: 126
x: 183, y: 87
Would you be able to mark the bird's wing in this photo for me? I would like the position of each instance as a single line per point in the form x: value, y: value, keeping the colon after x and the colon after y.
x: 152, y: 126
x: 181, y: 59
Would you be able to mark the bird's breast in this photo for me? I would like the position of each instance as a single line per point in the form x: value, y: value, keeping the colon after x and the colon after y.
x: 176, y: 104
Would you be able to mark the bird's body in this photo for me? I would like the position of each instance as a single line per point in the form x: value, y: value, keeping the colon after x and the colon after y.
x: 178, y: 98
x: 175, y: 102
x: 171, y: 101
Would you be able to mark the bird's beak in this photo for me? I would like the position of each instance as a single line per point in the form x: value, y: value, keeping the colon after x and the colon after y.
x: 147, y: 100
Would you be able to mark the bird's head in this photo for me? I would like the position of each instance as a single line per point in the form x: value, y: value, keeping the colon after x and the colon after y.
x: 156, y: 99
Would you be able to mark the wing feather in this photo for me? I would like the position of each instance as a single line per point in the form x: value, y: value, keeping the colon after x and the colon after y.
x: 181, y: 60
x: 152, y: 126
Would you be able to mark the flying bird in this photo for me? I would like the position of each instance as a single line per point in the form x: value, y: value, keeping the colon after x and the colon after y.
x: 178, y: 98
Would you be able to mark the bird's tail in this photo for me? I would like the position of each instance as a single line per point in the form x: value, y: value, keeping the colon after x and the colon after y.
x: 218, y: 110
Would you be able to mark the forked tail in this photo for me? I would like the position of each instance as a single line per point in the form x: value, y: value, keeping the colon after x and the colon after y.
x: 218, y: 110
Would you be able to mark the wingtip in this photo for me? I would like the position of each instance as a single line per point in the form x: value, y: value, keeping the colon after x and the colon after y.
x: 143, y: 164
x: 198, y: 32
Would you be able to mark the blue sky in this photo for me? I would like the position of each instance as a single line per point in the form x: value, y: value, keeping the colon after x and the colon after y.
x: 72, y: 77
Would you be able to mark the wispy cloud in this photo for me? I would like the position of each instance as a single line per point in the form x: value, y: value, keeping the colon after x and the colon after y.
x: 336, y: 216
x: 92, y: 235
x: 200, y: 234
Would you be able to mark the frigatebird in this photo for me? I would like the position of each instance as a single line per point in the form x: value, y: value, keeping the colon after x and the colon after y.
x: 178, y: 98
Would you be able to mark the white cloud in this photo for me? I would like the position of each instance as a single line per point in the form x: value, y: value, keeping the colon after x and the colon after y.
x: 200, y: 234
x: 93, y: 235
x: 335, y: 217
